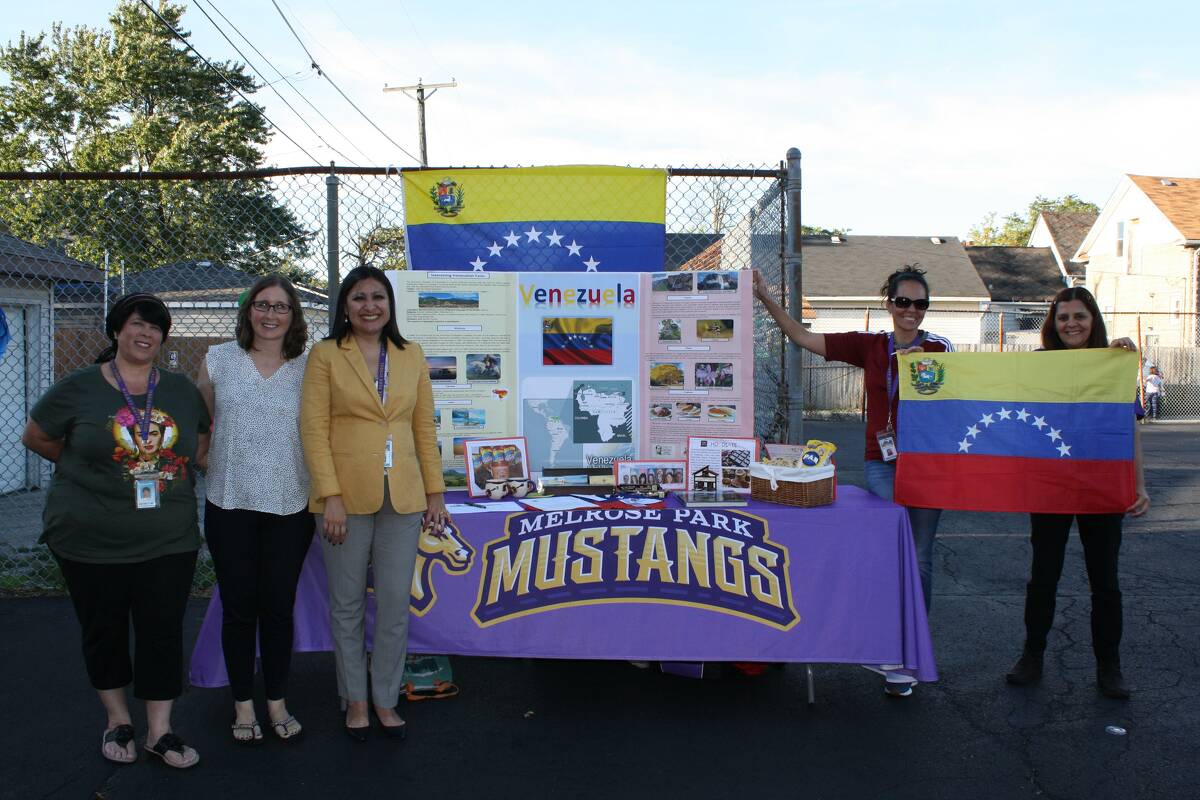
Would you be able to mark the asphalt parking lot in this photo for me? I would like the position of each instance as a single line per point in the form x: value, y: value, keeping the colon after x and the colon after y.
x: 565, y: 729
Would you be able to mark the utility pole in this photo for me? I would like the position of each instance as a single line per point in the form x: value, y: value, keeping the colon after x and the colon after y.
x: 420, y: 98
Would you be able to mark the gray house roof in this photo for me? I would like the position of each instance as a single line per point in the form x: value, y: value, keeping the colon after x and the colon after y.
x: 202, y: 281
x: 19, y: 257
x: 1017, y: 274
x: 855, y: 266
x: 1068, y: 230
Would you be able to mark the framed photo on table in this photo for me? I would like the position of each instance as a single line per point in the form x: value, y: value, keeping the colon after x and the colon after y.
x: 670, y: 475
x: 720, y: 464
x: 493, y: 464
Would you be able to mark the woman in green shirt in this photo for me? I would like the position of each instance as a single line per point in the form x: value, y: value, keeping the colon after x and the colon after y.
x: 121, y: 519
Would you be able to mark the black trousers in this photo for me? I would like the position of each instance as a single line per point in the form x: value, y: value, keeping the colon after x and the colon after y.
x: 258, y: 557
x: 1101, y: 538
x: 154, y: 595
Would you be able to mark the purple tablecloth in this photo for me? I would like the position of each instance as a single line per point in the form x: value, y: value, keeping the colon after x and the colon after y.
x: 766, y: 582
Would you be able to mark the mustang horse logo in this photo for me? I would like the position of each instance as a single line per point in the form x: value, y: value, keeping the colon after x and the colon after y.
x: 447, y: 548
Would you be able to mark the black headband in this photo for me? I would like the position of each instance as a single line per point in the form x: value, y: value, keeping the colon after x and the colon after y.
x: 110, y: 322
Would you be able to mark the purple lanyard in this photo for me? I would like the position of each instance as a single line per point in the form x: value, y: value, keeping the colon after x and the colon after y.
x: 381, y: 372
x: 893, y: 382
x: 144, y: 422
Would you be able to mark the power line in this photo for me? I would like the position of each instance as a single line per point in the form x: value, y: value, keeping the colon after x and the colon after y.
x: 223, y: 77
x: 320, y: 72
x: 299, y: 76
x: 271, y: 85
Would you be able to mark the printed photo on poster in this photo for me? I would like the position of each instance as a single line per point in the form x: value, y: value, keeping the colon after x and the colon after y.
x: 722, y: 413
x: 664, y: 474
x: 457, y: 300
x: 666, y: 375
x: 496, y: 466
x: 670, y: 330
x: 483, y: 366
x: 717, y: 281
x: 468, y: 418
x: 671, y: 281
x: 442, y: 368
x: 714, y: 330
x: 714, y: 375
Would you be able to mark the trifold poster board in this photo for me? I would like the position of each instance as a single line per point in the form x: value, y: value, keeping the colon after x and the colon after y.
x: 588, y: 367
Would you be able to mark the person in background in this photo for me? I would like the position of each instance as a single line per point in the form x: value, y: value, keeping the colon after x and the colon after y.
x: 120, y: 519
x: 256, y: 517
x: 366, y: 420
x: 1154, y: 384
x: 1074, y: 322
x: 905, y: 295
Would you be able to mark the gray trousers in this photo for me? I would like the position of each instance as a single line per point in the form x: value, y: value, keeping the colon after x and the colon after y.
x: 387, y: 542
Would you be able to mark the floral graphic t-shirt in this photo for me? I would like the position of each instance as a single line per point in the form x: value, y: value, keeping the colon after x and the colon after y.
x: 90, y: 511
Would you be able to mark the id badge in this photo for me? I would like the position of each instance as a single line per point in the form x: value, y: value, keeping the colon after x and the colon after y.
x: 887, y: 443
x: 145, y: 493
x: 387, y: 454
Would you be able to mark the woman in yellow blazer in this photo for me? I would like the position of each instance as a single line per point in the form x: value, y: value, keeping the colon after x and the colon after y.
x: 366, y: 420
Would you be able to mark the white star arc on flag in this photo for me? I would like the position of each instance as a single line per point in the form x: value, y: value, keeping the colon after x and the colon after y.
x: 532, y: 236
x: 1055, y: 434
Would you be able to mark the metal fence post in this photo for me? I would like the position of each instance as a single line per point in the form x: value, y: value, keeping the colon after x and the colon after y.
x: 331, y: 234
x: 792, y: 269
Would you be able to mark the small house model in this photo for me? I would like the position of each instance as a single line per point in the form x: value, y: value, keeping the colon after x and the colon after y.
x: 704, y: 480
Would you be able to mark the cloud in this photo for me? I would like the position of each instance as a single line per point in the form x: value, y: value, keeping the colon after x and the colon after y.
x: 902, y: 153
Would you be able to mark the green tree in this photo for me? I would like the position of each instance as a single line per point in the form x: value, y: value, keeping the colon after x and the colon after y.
x: 134, y: 99
x: 1014, y: 229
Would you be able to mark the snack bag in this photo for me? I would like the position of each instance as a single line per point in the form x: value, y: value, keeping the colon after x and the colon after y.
x: 817, y: 453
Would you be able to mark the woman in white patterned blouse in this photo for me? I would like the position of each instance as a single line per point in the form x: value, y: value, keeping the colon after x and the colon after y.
x: 256, y: 517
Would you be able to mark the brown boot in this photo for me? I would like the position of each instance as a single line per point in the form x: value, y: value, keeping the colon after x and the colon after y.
x: 1027, y: 670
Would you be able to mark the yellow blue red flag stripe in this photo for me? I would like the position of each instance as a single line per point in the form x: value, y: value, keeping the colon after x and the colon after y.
x: 573, y: 218
x: 1045, y: 432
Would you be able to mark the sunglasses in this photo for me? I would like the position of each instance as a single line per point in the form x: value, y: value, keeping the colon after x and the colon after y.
x: 905, y: 302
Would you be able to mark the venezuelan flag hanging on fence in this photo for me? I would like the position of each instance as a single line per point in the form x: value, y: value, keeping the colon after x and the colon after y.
x: 536, y: 219
x: 1045, y: 432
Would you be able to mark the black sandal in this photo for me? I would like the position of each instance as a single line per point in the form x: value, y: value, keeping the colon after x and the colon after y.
x: 280, y: 728
x: 121, y: 736
x: 170, y: 743
x: 256, y: 734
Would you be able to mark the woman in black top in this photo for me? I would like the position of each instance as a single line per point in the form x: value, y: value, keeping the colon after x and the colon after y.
x: 1074, y: 322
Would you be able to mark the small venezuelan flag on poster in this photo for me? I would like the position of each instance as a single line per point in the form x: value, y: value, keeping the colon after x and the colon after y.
x: 577, y: 340
x: 536, y: 219
x: 1044, y: 432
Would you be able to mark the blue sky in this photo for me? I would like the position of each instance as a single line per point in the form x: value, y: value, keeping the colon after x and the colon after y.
x: 913, y: 118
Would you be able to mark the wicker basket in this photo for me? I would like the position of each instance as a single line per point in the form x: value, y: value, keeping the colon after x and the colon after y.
x: 794, y: 487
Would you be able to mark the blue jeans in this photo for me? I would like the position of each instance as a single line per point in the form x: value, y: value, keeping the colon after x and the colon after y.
x: 881, y: 480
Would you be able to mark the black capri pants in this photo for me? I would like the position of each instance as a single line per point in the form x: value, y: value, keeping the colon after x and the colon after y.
x: 153, y: 595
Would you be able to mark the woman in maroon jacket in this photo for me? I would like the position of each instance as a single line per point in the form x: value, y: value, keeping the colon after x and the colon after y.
x: 906, y: 297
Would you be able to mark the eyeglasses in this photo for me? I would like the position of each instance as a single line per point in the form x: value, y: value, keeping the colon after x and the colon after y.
x: 905, y: 302
x: 263, y: 306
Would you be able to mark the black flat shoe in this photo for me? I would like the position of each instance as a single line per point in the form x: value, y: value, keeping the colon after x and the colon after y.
x: 393, y: 731
x: 396, y: 731
x: 358, y: 734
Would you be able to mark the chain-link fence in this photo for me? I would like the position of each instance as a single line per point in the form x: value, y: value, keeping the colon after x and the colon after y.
x: 70, y: 244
